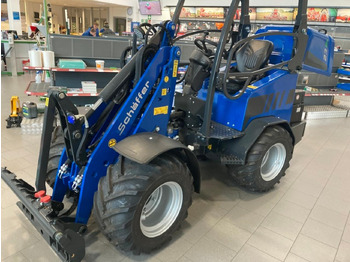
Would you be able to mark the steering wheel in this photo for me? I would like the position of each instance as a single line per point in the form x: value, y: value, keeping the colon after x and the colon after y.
x: 124, y: 56
x: 143, y: 28
x: 202, y: 42
x: 323, y: 31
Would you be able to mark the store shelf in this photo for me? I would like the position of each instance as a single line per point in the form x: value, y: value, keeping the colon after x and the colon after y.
x: 35, y: 89
x: 82, y: 94
x: 324, y: 111
x: 86, y: 70
x: 338, y: 92
x: 345, y: 72
x: 40, y: 89
x: 276, y: 22
x: 344, y: 86
x: 36, y: 68
x: 203, y: 19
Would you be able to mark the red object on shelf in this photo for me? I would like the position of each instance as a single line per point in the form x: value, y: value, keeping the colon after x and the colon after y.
x: 40, y: 194
x: 33, y: 28
x: 45, y: 199
x: 24, y: 62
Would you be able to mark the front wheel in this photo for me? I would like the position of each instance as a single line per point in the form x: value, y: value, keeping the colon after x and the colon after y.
x: 56, y: 149
x: 138, y: 207
x: 266, y: 162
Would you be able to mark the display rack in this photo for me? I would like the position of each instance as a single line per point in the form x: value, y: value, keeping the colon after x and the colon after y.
x: 325, y: 111
x: 71, y: 79
x: 339, y: 97
x: 336, y: 92
x: 36, y: 89
x: 36, y: 68
x: 86, y: 70
x: 40, y: 89
x: 203, y: 19
x: 344, y: 77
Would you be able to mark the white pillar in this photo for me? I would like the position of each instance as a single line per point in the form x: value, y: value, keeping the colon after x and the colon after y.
x: 26, y: 14
x: 76, y: 21
x: 83, y: 17
x: 14, y: 13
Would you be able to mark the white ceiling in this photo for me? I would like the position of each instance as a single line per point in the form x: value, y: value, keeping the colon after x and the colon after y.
x: 78, y: 3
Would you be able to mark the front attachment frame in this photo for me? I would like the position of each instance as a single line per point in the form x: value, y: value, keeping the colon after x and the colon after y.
x: 63, y: 236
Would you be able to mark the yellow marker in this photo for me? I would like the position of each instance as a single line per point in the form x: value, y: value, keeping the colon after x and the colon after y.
x: 210, y: 147
x: 47, y: 101
x: 163, y: 110
x: 166, y: 79
x: 176, y: 63
x: 164, y: 91
x: 252, y: 87
x: 112, y: 142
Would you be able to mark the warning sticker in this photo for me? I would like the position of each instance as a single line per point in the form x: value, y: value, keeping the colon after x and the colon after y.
x: 164, y: 92
x: 176, y: 64
x: 47, y: 101
x: 163, y: 110
x: 112, y: 142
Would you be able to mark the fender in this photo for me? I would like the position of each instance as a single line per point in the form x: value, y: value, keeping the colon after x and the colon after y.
x: 240, y: 147
x: 144, y: 147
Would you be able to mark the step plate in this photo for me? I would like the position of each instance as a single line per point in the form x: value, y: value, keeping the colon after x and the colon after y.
x: 222, y: 132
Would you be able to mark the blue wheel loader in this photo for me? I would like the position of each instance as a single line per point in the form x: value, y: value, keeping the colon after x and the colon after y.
x: 131, y: 160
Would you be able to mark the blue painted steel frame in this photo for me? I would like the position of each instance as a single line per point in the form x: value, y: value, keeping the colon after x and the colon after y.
x: 271, y: 93
x: 127, y: 122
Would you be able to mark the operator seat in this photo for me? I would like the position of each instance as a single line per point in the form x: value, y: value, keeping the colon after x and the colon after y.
x: 250, y: 57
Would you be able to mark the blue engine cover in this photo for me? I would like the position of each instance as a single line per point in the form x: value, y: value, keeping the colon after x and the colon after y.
x: 282, y: 44
x: 273, y: 95
x: 319, y: 53
x: 319, y: 50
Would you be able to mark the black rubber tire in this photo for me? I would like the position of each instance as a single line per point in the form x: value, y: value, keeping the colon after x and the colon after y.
x: 249, y: 175
x: 123, y: 192
x: 56, y: 148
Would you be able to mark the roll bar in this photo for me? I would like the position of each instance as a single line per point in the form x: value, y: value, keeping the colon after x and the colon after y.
x: 300, y: 43
x: 177, y: 12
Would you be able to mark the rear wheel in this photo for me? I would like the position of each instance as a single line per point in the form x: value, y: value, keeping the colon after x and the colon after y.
x: 138, y: 207
x: 266, y: 162
x: 56, y: 148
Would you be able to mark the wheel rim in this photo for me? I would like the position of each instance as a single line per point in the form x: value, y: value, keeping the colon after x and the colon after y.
x: 161, y: 209
x: 273, y: 162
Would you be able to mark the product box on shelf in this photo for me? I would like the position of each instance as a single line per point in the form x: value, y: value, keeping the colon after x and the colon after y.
x: 89, y: 87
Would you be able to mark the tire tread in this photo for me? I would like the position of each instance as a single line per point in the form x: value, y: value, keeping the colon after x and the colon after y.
x: 121, y: 194
x: 248, y: 175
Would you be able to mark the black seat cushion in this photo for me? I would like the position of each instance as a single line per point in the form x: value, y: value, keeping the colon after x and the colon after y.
x: 253, y: 55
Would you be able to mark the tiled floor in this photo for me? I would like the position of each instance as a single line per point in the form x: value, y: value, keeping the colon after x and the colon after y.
x: 304, y: 218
